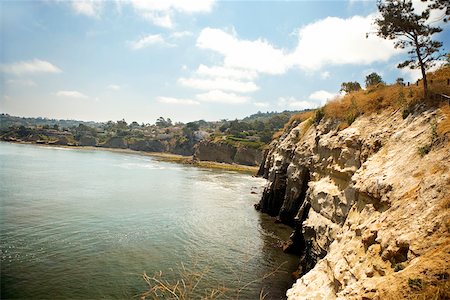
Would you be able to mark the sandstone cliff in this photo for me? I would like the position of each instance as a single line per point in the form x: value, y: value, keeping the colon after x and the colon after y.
x: 115, y: 142
x: 370, y: 205
x: 226, y: 153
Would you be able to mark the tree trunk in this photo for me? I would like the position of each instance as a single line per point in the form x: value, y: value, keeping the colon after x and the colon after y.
x: 425, y: 82
x: 422, y: 69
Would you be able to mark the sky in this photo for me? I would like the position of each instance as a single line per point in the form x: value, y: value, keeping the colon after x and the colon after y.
x: 186, y: 60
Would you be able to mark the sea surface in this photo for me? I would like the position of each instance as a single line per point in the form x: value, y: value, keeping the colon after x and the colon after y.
x: 87, y: 224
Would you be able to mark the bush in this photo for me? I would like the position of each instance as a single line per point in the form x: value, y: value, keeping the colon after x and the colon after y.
x: 415, y: 283
x: 319, y: 115
x: 398, y: 267
x: 424, y: 150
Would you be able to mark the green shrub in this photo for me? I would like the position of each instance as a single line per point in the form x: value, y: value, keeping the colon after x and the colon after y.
x: 398, y: 267
x: 319, y: 115
x: 424, y: 150
x: 415, y: 283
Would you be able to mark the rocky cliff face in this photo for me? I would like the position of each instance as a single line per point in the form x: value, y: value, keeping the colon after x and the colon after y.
x: 88, y: 141
x: 371, y: 210
x: 147, y: 145
x: 115, y: 142
x: 225, y: 153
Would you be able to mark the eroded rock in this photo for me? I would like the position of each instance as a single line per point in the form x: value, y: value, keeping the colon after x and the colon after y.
x: 362, y: 201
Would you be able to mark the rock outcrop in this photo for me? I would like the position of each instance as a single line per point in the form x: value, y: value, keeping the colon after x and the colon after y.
x: 88, y: 140
x: 371, y: 214
x: 147, y: 145
x: 226, y: 153
x: 116, y: 142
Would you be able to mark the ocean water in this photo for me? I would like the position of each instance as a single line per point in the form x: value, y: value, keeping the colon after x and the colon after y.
x: 87, y: 224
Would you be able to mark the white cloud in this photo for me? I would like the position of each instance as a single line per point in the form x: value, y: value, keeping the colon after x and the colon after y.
x: 292, y: 103
x: 411, y: 75
x: 159, y: 19
x: 160, y: 12
x: 179, y: 101
x: 261, y: 104
x: 322, y: 96
x: 181, y: 34
x: 330, y: 41
x: 259, y: 55
x: 71, y: 94
x: 114, y: 87
x: 224, y: 72
x: 90, y: 8
x: 177, y: 5
x: 436, y: 16
x: 339, y: 41
x: 223, y: 84
x: 21, y: 82
x: 30, y: 67
x: 148, y: 40
x: 325, y: 75
x: 218, y: 96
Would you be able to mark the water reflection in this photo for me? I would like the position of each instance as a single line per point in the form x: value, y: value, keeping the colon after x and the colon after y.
x: 87, y: 224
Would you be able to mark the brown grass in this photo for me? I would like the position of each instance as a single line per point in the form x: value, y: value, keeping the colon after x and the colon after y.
x: 443, y: 127
x: 382, y: 97
x: 378, y: 98
x: 430, y: 272
x: 300, y: 117
x: 183, y: 288
x: 186, y: 284
x: 370, y: 101
x: 438, y: 81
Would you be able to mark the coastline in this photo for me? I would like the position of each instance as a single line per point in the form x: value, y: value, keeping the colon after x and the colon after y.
x: 162, y: 156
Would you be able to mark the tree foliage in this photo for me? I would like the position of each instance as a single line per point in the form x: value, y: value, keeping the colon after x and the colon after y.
x: 400, y: 81
x: 443, y: 5
x: 398, y: 21
x: 163, y: 123
x: 447, y: 59
x: 351, y: 86
x: 373, y: 79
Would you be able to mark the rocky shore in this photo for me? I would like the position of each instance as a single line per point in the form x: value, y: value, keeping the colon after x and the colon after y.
x: 369, y: 205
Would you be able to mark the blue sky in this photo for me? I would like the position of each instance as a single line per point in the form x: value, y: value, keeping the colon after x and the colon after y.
x: 186, y: 60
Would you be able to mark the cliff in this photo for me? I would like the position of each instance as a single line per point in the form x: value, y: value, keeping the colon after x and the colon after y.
x: 370, y: 204
x: 226, y: 153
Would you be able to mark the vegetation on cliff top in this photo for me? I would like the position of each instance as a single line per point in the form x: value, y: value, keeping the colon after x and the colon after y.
x: 396, y: 96
x: 254, y: 131
x: 380, y: 96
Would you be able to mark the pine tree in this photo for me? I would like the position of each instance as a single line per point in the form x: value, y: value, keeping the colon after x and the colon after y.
x: 399, y: 22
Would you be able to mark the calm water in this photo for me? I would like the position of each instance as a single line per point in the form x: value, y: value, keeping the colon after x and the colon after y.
x: 88, y: 224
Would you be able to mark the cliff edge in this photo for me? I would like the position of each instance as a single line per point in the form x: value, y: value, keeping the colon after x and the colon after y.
x: 370, y: 204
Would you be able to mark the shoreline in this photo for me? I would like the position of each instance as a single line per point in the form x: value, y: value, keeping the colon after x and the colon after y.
x: 162, y: 156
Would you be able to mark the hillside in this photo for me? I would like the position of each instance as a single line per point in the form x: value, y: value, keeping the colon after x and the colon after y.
x: 235, y: 141
x: 365, y: 182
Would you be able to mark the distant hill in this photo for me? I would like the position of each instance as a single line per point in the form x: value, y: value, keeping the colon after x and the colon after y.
x: 7, y: 121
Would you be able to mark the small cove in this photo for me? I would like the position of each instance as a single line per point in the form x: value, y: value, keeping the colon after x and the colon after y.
x: 87, y: 224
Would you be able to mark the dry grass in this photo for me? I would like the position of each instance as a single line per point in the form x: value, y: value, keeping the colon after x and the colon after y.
x: 438, y: 81
x: 188, y: 285
x: 443, y: 127
x: 300, y: 117
x: 382, y: 97
x: 372, y: 100
x: 427, y: 278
